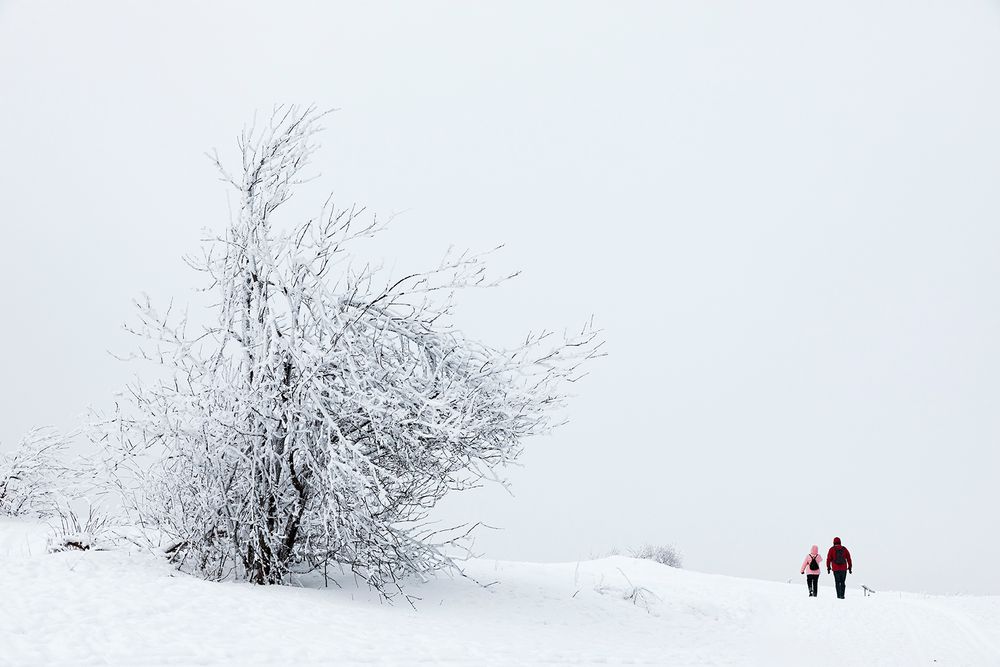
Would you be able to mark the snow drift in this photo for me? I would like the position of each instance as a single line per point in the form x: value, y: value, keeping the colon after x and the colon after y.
x: 130, y: 608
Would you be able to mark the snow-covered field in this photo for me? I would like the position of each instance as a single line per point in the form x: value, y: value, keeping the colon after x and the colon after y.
x: 120, y: 608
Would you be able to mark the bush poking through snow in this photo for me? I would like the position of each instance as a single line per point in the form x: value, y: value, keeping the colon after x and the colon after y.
x: 74, y: 534
x: 33, y: 476
x: 71, y: 542
x: 327, y: 407
x: 640, y: 596
x: 664, y: 554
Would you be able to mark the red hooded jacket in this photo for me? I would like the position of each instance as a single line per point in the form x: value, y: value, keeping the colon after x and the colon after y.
x: 831, y: 557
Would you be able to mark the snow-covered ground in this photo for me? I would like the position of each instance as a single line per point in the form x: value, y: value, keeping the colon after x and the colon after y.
x: 120, y: 608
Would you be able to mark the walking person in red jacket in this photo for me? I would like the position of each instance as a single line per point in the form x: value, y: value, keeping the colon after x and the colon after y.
x: 838, y: 559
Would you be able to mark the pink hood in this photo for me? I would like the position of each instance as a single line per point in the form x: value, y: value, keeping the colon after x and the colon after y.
x: 819, y: 560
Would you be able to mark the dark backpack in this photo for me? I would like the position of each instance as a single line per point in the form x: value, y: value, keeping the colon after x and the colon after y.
x: 813, y: 565
x: 838, y: 557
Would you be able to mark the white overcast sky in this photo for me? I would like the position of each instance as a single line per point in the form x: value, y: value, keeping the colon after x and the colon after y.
x: 785, y: 215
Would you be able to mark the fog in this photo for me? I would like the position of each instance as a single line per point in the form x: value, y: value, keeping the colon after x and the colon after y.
x: 784, y: 216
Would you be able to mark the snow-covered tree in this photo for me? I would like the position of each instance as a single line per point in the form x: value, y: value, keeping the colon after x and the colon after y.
x: 34, y: 475
x: 327, y: 408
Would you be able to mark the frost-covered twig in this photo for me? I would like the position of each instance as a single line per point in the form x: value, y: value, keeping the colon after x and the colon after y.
x: 639, y: 596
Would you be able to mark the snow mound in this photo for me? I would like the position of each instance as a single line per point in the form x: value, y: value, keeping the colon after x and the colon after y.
x: 121, y: 608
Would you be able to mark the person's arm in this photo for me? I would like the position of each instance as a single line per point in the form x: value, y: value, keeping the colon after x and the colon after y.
x: 847, y: 554
x: 829, y: 559
x: 805, y: 564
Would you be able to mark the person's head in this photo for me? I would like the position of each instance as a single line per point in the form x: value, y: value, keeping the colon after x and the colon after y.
x: 815, y: 550
x: 836, y: 541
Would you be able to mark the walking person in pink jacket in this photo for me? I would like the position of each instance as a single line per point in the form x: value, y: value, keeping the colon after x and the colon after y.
x: 810, y: 568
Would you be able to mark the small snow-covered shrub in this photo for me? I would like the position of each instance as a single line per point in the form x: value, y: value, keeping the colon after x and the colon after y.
x: 76, y: 533
x: 664, y: 554
x: 33, y: 475
x: 71, y: 542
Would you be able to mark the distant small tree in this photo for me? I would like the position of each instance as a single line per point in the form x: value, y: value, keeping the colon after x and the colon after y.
x: 326, y: 409
x: 34, y: 476
x: 665, y: 554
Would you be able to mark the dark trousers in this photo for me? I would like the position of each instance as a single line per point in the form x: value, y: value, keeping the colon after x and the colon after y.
x: 840, y: 577
x: 812, y: 581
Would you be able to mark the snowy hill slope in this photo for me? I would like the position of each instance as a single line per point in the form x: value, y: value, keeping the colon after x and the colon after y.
x: 116, y: 608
